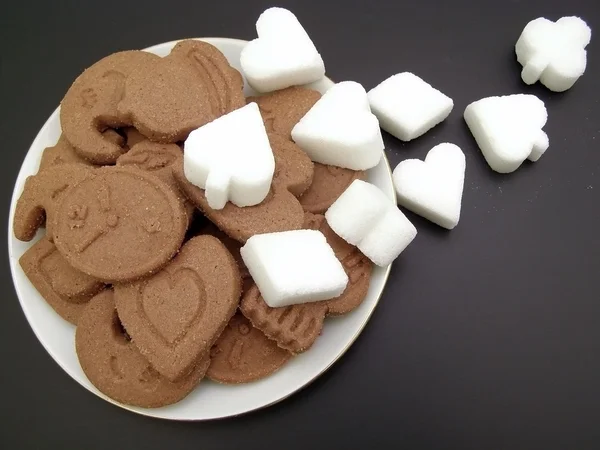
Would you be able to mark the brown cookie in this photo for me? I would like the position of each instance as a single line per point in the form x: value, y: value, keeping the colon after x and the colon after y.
x: 65, y: 289
x: 157, y: 159
x: 282, y: 110
x: 175, y: 316
x: 90, y: 105
x: 119, y: 224
x: 232, y: 246
x: 243, y: 354
x: 294, y: 328
x: 329, y: 182
x: 41, y: 194
x: 64, y: 153
x: 133, y: 136
x: 357, y: 266
x: 116, y: 367
x: 190, y: 87
x: 280, y: 211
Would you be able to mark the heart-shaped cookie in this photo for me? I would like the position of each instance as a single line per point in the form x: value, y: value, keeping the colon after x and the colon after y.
x: 433, y: 188
x: 188, y: 88
x: 40, y: 198
x: 175, y: 316
x: 340, y: 129
x: 508, y: 129
x: 283, y: 55
x: 90, y: 104
x: 280, y: 211
x: 115, y: 366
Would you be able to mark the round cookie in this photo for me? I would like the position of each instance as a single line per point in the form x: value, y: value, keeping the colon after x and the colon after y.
x: 243, y: 354
x: 175, y: 316
x: 40, y: 198
x: 90, y: 104
x: 115, y: 366
x: 65, y: 289
x: 329, y: 182
x: 119, y: 224
x: 190, y: 87
x: 158, y: 159
x: 282, y: 110
x: 279, y: 211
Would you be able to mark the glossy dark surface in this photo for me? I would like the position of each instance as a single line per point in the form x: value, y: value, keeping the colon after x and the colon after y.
x: 487, y: 337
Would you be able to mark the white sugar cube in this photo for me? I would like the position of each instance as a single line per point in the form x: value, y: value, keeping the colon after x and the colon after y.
x: 231, y: 158
x: 283, y: 55
x: 292, y: 267
x: 363, y: 216
x: 407, y: 107
x: 340, y: 130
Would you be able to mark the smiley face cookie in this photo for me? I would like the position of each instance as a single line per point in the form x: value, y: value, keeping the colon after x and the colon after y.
x: 190, y: 87
x: 282, y: 110
x: 280, y: 211
x: 243, y: 354
x: 65, y: 289
x: 119, y: 224
x: 115, y: 366
x: 90, y: 105
x: 175, y: 316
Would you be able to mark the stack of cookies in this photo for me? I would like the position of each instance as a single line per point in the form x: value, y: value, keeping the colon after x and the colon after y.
x: 134, y: 255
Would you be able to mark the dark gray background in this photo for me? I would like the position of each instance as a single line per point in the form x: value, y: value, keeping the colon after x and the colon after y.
x: 487, y: 337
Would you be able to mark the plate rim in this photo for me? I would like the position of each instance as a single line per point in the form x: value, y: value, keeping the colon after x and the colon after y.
x: 147, y: 412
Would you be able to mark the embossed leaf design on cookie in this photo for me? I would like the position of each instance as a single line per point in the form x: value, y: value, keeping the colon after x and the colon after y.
x: 175, y: 316
x: 280, y: 211
x: 172, y: 302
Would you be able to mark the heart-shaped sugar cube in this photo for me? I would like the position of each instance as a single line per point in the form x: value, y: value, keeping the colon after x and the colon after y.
x: 340, y: 130
x: 508, y: 129
x: 283, y: 55
x: 231, y: 159
x: 433, y: 188
x: 553, y: 52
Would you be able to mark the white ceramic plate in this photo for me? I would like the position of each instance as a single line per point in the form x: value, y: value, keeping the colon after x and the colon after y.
x: 210, y: 400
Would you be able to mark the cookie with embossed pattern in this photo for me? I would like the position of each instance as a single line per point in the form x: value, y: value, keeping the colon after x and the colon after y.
x: 64, y: 153
x: 282, y: 110
x: 116, y: 367
x: 329, y: 182
x: 188, y: 88
x: 243, y: 354
x: 357, y: 266
x: 40, y: 198
x: 279, y: 211
x: 295, y: 328
x: 65, y: 289
x: 90, y: 104
x: 119, y: 224
x: 157, y: 159
x: 175, y: 316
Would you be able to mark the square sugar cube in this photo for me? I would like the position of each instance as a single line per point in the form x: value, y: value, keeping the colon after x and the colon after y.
x: 292, y: 267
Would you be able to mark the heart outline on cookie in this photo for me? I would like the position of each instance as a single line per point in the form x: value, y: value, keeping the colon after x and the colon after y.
x: 433, y: 188
x: 508, y: 129
x: 283, y: 55
x: 340, y: 129
x: 161, y: 314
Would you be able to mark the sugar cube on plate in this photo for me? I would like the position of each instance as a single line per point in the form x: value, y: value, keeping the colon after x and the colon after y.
x: 292, y: 267
x: 363, y: 216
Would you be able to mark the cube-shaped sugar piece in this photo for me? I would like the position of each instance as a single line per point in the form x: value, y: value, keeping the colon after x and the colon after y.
x: 363, y: 216
x: 407, y: 107
x: 292, y: 267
